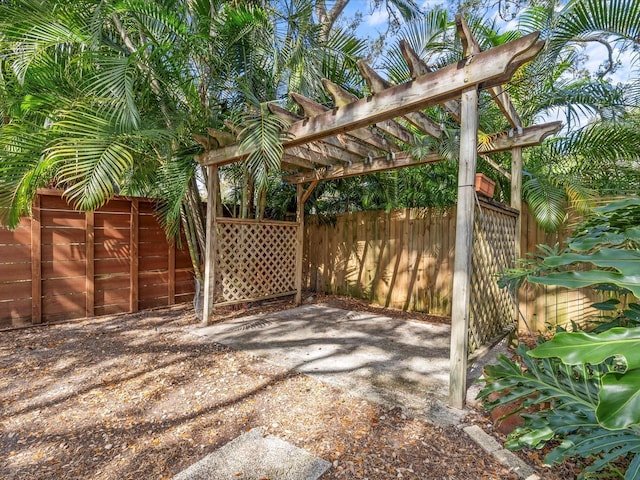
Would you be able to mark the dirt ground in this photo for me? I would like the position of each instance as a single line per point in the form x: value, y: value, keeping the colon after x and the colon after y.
x: 137, y: 396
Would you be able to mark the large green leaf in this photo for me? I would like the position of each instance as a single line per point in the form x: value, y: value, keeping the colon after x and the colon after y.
x: 619, y: 405
x: 625, y: 261
x: 581, y: 347
x: 590, y: 278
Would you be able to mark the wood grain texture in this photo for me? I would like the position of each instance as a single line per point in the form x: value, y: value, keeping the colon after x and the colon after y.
x: 78, y: 259
x: 490, y: 68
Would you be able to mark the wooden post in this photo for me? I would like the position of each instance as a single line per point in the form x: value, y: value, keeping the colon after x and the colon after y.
x: 516, y: 194
x: 90, y: 264
x: 171, y: 294
x: 210, y: 247
x: 299, y: 241
x: 133, y: 256
x: 516, y: 203
x: 464, y: 246
x: 36, y: 263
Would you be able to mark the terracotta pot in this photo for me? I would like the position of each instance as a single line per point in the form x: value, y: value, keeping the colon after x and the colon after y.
x: 484, y: 185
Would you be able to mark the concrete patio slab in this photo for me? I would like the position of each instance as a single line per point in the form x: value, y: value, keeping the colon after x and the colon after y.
x: 385, y: 360
x: 253, y: 456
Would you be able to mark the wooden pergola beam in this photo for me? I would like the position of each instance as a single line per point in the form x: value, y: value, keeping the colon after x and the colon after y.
x: 379, y: 164
x: 324, y: 152
x: 312, y: 108
x: 378, y: 84
x: 343, y: 98
x: 529, y: 137
x: 487, y: 69
x: 418, y: 67
x: 291, y: 161
x: 352, y: 150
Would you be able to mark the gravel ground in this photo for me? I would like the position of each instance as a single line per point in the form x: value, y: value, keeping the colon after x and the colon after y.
x: 137, y: 396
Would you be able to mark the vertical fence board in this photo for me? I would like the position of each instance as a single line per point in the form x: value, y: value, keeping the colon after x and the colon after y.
x: 171, y: 287
x: 133, y: 258
x: 36, y: 263
x: 90, y: 262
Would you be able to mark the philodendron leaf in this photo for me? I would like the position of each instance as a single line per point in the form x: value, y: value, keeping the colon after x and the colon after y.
x: 617, y: 205
x: 586, y: 244
x: 532, y: 439
x: 589, y: 278
x: 633, y: 470
x: 610, y: 305
x: 625, y: 261
x: 582, y: 347
x: 633, y: 234
x: 619, y: 405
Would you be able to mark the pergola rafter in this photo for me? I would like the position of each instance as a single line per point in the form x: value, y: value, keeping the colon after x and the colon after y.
x: 364, y: 135
x: 484, y: 70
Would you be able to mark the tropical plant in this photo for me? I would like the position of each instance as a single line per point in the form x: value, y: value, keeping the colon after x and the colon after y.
x: 605, y: 247
x: 106, y: 97
x: 581, y: 388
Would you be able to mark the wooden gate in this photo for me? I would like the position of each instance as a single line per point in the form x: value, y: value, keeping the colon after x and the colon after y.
x: 492, y: 309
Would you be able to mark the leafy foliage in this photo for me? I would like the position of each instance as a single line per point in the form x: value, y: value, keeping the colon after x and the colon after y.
x: 584, y: 385
x: 581, y: 405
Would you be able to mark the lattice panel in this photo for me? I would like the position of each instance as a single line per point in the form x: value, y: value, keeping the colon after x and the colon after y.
x: 255, y: 260
x: 492, y: 308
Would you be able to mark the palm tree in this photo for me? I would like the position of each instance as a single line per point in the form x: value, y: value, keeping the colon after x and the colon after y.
x: 551, y: 85
x: 101, y: 97
x: 569, y: 169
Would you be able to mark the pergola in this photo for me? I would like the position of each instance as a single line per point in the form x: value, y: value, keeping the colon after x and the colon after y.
x: 365, y: 135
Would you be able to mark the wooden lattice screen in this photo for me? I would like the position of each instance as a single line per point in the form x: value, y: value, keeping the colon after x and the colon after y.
x: 255, y: 260
x: 492, y: 309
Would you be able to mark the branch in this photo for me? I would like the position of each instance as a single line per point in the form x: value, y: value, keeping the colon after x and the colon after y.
x: 601, y: 41
x: 328, y: 17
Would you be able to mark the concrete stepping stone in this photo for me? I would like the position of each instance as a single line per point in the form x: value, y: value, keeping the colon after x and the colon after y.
x: 256, y: 456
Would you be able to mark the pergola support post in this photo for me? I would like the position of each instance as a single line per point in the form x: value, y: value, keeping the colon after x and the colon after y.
x: 299, y: 241
x: 463, y: 245
x: 210, y: 246
x: 516, y: 203
x: 302, y: 196
x: 516, y: 194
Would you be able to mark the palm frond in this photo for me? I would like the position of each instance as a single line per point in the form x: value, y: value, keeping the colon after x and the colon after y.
x: 22, y: 169
x: 546, y: 201
x: 262, y: 137
x: 580, y: 19
x: 90, y: 156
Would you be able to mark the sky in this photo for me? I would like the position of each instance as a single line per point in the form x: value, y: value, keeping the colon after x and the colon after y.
x: 374, y: 23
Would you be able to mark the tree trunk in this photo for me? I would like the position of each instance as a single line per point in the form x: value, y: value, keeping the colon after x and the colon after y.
x: 262, y: 203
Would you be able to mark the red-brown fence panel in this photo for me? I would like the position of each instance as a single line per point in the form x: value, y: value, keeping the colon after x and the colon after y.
x: 64, y: 264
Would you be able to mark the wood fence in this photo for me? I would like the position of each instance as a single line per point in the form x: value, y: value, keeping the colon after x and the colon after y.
x: 65, y: 264
x: 117, y: 259
x: 404, y: 259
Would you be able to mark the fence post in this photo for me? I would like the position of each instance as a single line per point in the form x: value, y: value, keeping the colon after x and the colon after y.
x: 133, y: 256
x: 36, y: 263
x: 90, y: 264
